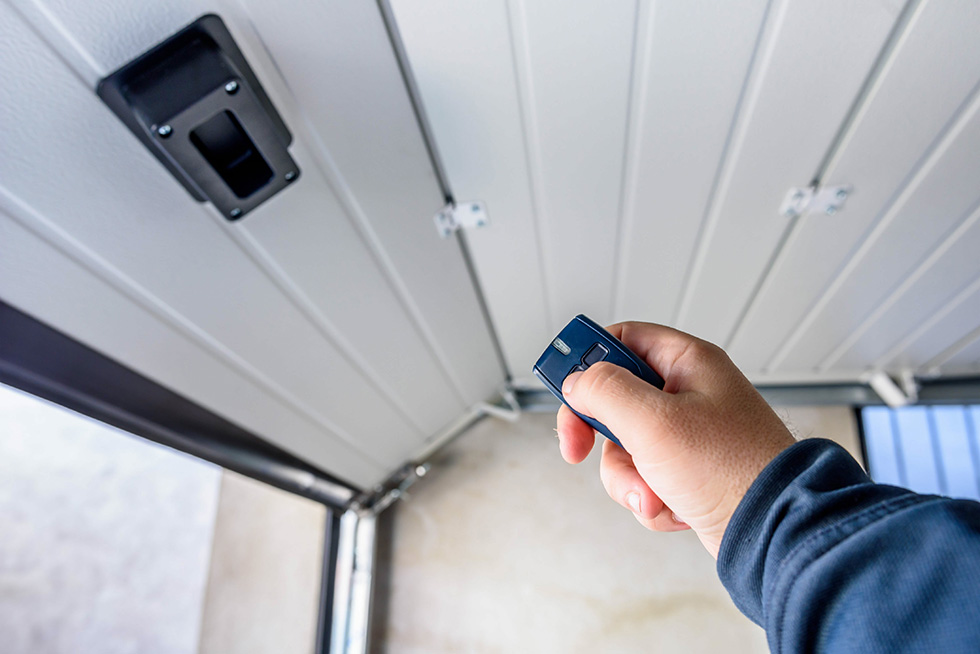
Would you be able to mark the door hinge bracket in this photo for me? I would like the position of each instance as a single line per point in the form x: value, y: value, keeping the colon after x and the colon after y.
x: 462, y: 215
x: 814, y: 199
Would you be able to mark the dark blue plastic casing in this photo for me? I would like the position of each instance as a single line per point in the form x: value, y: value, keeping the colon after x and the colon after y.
x: 580, y: 344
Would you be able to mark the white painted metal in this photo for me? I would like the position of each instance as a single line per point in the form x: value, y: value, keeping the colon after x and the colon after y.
x: 338, y: 62
x: 105, y: 310
x: 467, y: 79
x: 464, y: 215
x: 938, y: 338
x: 633, y: 155
x: 352, y: 328
x: 965, y: 361
x: 921, y: 89
x: 724, y: 109
x: 800, y: 92
x: 691, y: 62
x: 936, y: 282
x: 574, y: 62
x: 891, y: 393
x: 827, y: 200
x: 942, y: 194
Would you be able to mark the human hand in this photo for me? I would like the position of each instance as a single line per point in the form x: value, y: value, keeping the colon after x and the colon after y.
x: 691, y: 451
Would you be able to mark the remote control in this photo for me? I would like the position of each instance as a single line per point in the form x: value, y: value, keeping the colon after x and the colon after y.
x: 579, y: 345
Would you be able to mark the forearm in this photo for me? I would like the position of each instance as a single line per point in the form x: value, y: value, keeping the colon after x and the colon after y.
x: 825, y: 560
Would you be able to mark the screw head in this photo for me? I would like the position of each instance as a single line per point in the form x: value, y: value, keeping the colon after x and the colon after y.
x: 164, y: 131
x: 235, y: 213
x: 231, y: 88
x: 290, y: 176
x: 421, y: 470
x: 831, y: 211
x: 841, y: 194
x: 474, y: 208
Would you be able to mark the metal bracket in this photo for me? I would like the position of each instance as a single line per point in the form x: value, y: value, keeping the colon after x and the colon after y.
x: 814, y: 199
x: 895, y: 395
x: 463, y: 215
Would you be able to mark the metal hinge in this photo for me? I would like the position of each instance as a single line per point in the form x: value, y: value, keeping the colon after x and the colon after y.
x: 463, y: 215
x: 814, y: 199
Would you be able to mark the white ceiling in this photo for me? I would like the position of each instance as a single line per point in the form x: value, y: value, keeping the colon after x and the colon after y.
x: 634, y: 155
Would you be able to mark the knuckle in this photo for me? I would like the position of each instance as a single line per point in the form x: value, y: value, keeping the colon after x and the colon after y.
x: 703, y: 350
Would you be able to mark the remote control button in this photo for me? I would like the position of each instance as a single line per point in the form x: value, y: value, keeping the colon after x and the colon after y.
x: 576, y: 368
x: 596, y: 353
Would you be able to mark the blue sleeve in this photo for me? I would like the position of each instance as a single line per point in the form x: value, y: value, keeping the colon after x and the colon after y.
x: 827, y: 561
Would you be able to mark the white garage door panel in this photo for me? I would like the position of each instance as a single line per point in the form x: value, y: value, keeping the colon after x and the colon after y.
x: 966, y: 361
x: 939, y: 337
x: 576, y: 88
x: 319, y: 252
x: 692, y: 61
x: 338, y: 292
x: 338, y: 63
x: 949, y: 268
x: 801, y: 91
x: 74, y: 297
x: 921, y: 88
x: 106, y: 35
x: 127, y: 208
x: 721, y: 111
x: 941, y: 197
x: 471, y: 99
x: 376, y: 336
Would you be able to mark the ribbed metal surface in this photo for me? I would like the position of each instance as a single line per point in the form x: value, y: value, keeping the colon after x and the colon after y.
x: 633, y: 157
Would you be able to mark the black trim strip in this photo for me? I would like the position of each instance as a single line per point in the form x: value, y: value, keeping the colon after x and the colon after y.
x: 44, y: 362
x: 331, y: 544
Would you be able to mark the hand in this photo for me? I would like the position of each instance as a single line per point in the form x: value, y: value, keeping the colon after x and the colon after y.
x: 692, y: 450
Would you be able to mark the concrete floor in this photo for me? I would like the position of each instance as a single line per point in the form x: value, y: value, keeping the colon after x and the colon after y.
x: 505, y: 548
x: 106, y: 539
x: 113, y: 544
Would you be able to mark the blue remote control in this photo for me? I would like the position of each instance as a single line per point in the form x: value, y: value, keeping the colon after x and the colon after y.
x: 579, y: 345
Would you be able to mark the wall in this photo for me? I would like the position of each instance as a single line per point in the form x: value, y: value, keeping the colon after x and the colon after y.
x: 263, y: 588
x: 505, y: 548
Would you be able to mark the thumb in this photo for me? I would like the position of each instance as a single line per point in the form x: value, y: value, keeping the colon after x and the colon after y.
x: 631, y: 408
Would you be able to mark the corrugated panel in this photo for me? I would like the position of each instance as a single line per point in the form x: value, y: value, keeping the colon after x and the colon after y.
x: 655, y: 196
x: 928, y: 449
x: 333, y: 320
x: 921, y: 90
x: 468, y: 81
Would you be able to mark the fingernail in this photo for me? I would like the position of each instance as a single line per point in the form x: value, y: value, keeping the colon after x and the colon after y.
x: 677, y: 518
x: 633, y: 499
x: 569, y: 383
x: 557, y: 433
